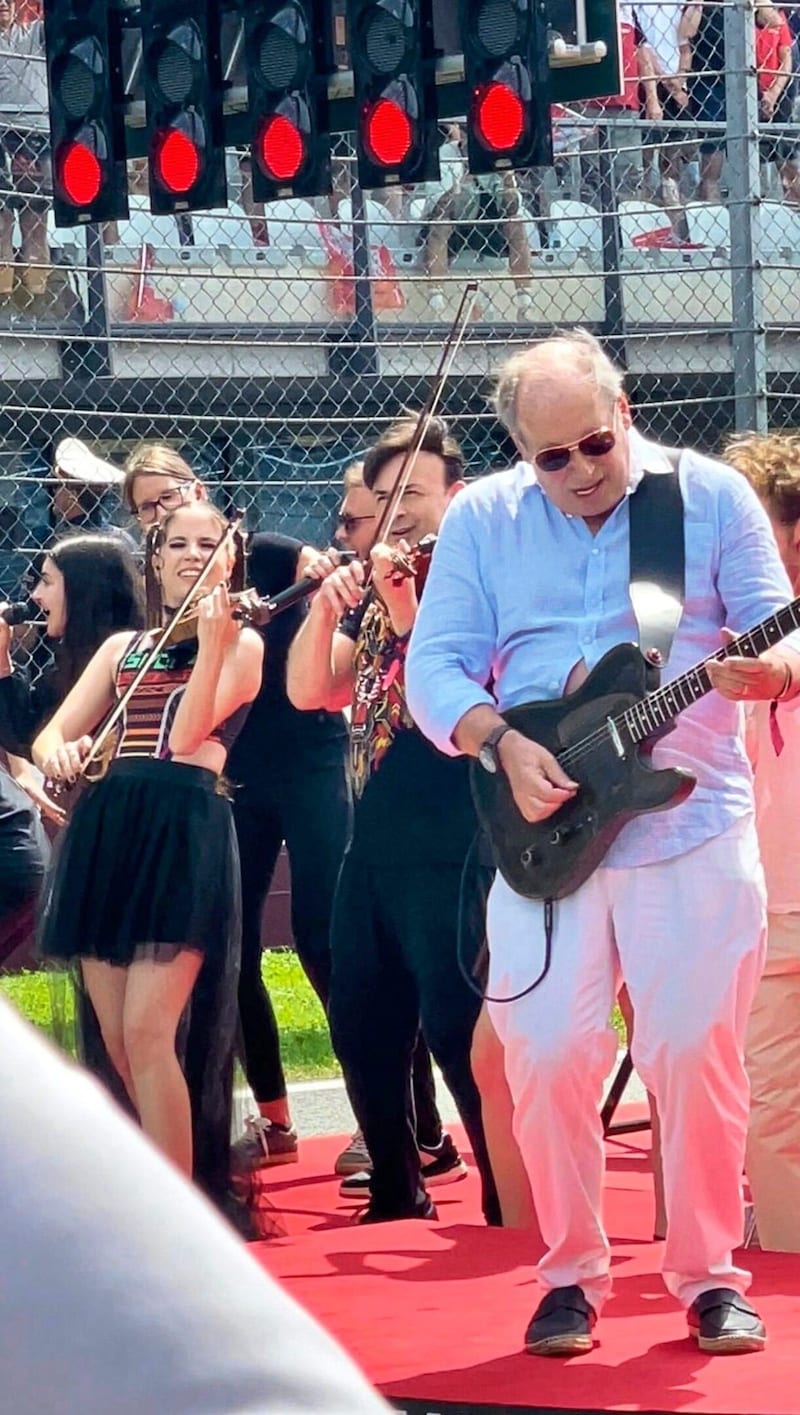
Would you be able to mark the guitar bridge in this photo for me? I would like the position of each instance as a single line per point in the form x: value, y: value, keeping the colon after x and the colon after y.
x: 615, y: 737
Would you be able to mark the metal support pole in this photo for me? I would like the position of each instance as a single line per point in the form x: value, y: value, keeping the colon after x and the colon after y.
x: 354, y: 349
x: 748, y: 335
x: 614, y: 321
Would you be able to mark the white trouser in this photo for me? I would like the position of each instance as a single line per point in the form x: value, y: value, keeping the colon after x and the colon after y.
x: 688, y: 936
x: 773, y: 1064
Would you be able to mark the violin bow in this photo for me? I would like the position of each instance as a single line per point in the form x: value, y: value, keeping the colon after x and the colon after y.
x: 452, y: 344
x: 162, y: 638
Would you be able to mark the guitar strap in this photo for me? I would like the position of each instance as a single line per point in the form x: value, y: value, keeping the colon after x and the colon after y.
x: 657, y: 559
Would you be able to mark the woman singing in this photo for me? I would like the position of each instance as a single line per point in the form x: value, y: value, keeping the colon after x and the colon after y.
x: 145, y: 891
x: 89, y: 586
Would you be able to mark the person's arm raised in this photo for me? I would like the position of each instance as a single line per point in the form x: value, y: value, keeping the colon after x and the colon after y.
x: 226, y: 674
x: 319, y: 671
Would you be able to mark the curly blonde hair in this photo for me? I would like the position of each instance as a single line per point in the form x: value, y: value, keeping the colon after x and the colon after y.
x: 771, y: 463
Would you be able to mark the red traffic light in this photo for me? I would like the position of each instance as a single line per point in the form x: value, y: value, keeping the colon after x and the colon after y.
x: 388, y: 133
x: 280, y: 148
x: 499, y: 117
x: 176, y: 161
x: 80, y: 174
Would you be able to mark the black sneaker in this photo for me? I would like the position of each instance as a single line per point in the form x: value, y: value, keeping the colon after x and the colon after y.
x: 423, y: 1208
x: 723, y: 1323
x: 562, y: 1324
x: 441, y: 1164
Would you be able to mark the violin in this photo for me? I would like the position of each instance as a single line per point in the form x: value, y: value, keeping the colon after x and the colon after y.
x: 250, y: 608
x: 414, y: 564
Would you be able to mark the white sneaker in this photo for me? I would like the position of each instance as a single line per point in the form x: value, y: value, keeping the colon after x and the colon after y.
x: 524, y: 304
x: 436, y: 302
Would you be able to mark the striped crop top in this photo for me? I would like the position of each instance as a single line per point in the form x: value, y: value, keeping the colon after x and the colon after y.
x: 149, y: 716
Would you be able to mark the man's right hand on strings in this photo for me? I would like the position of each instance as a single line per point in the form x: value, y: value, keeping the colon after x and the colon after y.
x: 538, y: 784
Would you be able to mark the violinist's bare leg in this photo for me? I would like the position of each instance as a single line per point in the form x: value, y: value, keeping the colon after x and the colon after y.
x: 155, y: 998
x: 106, y: 985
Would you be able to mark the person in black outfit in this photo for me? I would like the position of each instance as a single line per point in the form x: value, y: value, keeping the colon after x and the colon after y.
x: 24, y: 852
x: 410, y: 882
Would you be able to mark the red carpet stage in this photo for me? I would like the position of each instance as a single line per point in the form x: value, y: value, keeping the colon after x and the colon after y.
x: 435, y: 1312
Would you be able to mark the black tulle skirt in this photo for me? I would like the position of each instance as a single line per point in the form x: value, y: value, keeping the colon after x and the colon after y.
x: 148, y: 865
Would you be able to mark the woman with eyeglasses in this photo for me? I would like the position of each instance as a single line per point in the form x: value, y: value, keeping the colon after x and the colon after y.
x: 291, y: 785
x: 144, y: 895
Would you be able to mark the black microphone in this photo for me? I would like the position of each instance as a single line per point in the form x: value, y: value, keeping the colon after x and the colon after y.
x: 268, y: 608
x: 22, y: 611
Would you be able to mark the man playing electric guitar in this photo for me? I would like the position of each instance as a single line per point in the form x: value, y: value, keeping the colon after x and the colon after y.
x: 530, y: 584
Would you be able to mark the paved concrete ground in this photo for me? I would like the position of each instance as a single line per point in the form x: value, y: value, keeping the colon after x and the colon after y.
x: 322, y: 1107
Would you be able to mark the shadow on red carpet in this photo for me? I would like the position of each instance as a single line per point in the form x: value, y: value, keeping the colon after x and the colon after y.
x: 436, y: 1312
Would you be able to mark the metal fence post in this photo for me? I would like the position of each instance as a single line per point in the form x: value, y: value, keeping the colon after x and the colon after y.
x: 748, y: 335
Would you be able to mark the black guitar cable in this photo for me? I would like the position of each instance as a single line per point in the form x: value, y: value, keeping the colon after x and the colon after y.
x: 467, y: 973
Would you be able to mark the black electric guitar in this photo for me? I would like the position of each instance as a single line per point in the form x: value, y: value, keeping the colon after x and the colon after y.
x: 602, y: 735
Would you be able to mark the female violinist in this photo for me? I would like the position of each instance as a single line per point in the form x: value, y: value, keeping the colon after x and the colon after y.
x: 144, y: 894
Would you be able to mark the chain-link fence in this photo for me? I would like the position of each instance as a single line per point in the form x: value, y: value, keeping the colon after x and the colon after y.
x: 270, y: 345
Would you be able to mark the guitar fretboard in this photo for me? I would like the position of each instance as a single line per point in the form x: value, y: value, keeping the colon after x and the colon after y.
x: 661, y: 706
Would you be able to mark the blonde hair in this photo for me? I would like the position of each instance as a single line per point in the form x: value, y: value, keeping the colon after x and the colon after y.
x: 576, y: 354
x: 353, y: 476
x: 771, y: 464
x: 153, y: 459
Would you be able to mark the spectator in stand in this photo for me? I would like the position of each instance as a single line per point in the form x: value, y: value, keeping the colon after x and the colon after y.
x: 774, y: 44
x: 484, y: 213
x: 25, y: 175
x: 701, y: 43
x: 669, y: 101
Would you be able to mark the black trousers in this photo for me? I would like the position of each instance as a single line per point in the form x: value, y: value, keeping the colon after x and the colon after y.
x: 312, y: 812
x: 394, y: 947
x: 24, y: 852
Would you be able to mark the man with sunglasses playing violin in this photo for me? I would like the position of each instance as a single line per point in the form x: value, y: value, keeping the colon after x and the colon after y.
x: 530, y: 582
x: 408, y: 884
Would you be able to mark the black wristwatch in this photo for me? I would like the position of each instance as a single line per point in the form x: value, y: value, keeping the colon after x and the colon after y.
x: 487, y: 752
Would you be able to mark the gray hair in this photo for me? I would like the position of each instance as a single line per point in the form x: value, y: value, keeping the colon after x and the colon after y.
x: 575, y: 353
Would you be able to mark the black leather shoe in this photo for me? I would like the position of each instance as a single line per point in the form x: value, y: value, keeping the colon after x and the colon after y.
x: 423, y: 1208
x: 722, y: 1322
x: 562, y: 1324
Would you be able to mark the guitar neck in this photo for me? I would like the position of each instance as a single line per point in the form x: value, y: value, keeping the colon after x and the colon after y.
x: 661, y: 706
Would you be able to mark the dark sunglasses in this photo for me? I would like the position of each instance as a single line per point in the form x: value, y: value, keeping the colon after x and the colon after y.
x: 594, y: 444
x: 349, y: 523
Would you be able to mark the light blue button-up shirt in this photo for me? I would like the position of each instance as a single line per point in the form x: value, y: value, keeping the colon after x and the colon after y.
x: 519, y: 591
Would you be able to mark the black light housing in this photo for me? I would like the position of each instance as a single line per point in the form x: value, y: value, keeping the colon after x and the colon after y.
x: 393, y: 62
x: 287, y: 54
x: 87, y: 111
x: 183, y: 89
x: 507, y: 74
